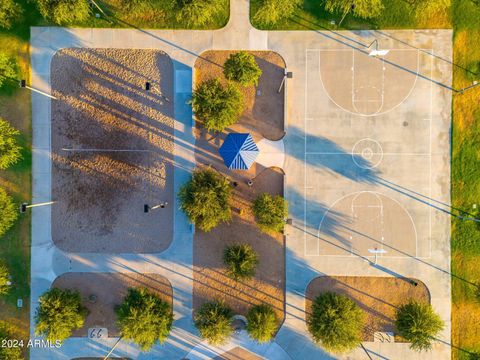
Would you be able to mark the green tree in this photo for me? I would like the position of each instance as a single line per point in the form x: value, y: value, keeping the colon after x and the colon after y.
x: 213, y: 321
x: 58, y: 313
x: 205, y: 199
x: 8, y: 210
x: 8, y: 69
x: 9, y: 353
x: 242, y: 67
x: 10, y: 151
x: 217, y: 106
x: 262, y: 323
x: 144, y: 318
x: 241, y: 261
x: 336, y: 322
x: 419, y: 324
x: 270, y: 212
x: 64, y: 12
x: 428, y: 8
x: 4, y: 279
x: 363, y: 8
x: 271, y: 12
x: 10, y: 12
x: 198, y: 12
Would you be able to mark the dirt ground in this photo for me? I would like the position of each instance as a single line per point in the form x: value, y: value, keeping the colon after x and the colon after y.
x: 109, y: 289
x: 264, y: 105
x: 379, y: 297
x: 238, y: 354
x: 210, y: 280
x: 112, y: 150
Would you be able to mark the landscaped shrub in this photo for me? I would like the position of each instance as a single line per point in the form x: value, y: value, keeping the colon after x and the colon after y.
x: 213, y: 321
x: 8, y: 210
x: 9, y: 149
x: 206, y: 199
x: 336, y: 322
x: 272, y: 11
x: 419, y: 324
x: 261, y: 323
x: 144, y: 318
x: 241, y: 261
x: 8, y: 69
x: 270, y: 212
x: 64, y: 12
x: 10, y: 11
x: 242, y: 68
x: 217, y: 106
x: 7, y: 332
x: 198, y: 12
x: 363, y: 8
x: 4, y: 279
x: 58, y: 313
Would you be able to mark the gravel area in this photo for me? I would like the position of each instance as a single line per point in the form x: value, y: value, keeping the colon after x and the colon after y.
x: 379, y: 297
x: 112, y: 150
x: 109, y: 290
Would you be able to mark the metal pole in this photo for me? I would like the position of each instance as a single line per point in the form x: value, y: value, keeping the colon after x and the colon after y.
x: 476, y: 83
x: 100, y: 9
x: 40, y: 92
x: 40, y: 204
x: 112, y: 349
x: 352, y: 6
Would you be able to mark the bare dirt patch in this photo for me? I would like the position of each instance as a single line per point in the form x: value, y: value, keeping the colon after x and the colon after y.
x: 112, y: 150
x: 379, y: 297
x: 264, y: 104
x: 109, y: 290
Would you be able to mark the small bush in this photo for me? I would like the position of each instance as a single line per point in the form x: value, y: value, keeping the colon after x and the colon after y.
x: 7, y: 332
x: 363, y: 8
x: 144, y: 318
x: 206, y: 199
x: 10, y: 12
x: 198, y: 12
x: 241, y: 261
x: 419, y: 324
x: 336, y: 322
x: 270, y: 212
x: 8, y: 210
x: 213, y: 321
x: 4, y: 279
x: 8, y: 69
x: 217, y: 106
x: 262, y: 323
x: 64, y: 12
x: 10, y: 151
x: 271, y: 12
x: 242, y: 68
x: 58, y: 313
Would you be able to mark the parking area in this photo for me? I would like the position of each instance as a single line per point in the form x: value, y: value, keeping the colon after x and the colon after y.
x: 367, y: 153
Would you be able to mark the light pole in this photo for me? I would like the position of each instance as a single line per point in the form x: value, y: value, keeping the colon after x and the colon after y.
x: 23, y: 84
x: 352, y: 6
x: 113, y: 348
x: 147, y: 208
x: 24, y: 206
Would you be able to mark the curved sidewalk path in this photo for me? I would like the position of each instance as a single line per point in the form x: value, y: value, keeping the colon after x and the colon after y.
x: 184, y: 46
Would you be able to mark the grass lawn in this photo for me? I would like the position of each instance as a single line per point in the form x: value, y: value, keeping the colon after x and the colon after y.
x: 464, y: 17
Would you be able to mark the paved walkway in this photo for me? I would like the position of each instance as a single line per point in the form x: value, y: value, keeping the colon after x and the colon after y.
x: 184, y: 47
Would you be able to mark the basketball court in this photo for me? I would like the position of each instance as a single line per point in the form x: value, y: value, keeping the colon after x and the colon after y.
x: 367, y: 150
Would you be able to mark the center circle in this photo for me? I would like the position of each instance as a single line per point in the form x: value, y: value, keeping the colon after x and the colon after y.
x: 367, y: 153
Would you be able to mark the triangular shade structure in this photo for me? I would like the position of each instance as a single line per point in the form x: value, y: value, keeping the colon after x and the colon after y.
x: 239, y: 151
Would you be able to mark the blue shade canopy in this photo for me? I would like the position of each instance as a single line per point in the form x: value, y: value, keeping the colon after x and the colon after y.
x: 239, y: 151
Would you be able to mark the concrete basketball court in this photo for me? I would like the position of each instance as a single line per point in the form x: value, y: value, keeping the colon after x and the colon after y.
x: 367, y: 120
